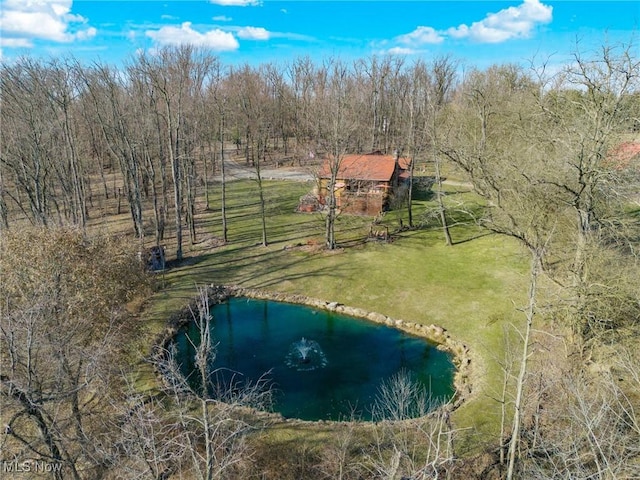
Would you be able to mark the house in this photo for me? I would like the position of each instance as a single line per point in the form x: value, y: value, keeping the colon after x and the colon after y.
x: 366, y: 183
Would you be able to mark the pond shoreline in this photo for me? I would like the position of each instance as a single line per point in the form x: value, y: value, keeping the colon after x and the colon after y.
x: 433, y: 333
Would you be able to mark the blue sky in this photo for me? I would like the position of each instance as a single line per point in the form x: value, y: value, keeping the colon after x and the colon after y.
x: 258, y: 31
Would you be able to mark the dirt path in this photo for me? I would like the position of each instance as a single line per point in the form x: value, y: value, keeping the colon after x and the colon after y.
x: 235, y: 171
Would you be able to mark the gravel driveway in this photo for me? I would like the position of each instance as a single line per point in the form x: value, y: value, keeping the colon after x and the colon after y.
x: 236, y: 171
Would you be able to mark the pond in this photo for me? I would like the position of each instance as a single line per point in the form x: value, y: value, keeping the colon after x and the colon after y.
x: 322, y: 365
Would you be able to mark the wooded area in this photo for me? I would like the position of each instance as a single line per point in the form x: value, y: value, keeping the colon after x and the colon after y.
x: 540, y: 147
x: 162, y: 122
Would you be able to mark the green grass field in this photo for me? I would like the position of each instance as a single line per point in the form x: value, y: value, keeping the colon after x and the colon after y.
x: 472, y: 288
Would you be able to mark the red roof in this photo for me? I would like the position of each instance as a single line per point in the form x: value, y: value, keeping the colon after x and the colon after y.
x: 374, y: 167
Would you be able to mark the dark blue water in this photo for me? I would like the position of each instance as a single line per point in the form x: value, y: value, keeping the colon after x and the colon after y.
x: 341, y: 379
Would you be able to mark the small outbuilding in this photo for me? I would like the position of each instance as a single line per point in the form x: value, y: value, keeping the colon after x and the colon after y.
x: 366, y: 183
x: 156, y: 258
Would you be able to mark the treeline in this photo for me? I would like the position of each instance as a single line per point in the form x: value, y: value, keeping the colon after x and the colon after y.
x: 162, y: 121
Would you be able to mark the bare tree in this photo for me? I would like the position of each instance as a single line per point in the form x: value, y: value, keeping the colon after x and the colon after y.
x: 150, y: 146
x: 337, y: 460
x: 111, y: 101
x: 280, y: 109
x: 303, y: 79
x: 28, y: 139
x: 443, y: 77
x: 221, y: 99
x: 337, y: 124
x: 252, y: 99
x: 177, y: 76
x: 377, y: 110
x: 149, y: 442
x: 591, y: 427
x: 61, y: 321
x: 4, y: 210
x: 215, y: 430
x: 413, y: 433
x: 583, y: 118
x: 410, y: 91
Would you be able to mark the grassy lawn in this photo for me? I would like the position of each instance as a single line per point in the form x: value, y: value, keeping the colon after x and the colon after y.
x: 471, y: 288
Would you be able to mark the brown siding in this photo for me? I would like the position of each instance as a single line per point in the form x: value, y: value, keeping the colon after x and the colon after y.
x: 369, y: 204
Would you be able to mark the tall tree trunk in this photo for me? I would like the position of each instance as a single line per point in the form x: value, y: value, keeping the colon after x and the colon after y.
x: 530, y: 312
x: 439, y: 195
x: 330, y: 221
x: 263, y: 213
x: 4, y: 212
x: 177, y: 201
x: 205, y: 155
x: 176, y: 172
x: 164, y: 183
x: 157, y: 210
x: 410, y: 193
x: 191, y: 200
x: 585, y: 217
x: 137, y: 195
x: 33, y: 410
x: 79, y: 199
x: 224, y: 183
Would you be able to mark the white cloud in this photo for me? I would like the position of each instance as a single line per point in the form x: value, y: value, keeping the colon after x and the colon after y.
x: 512, y: 22
x: 401, y: 51
x: 222, y: 18
x: 421, y: 36
x: 86, y: 34
x: 214, y: 39
x: 235, y: 3
x: 21, y: 22
x: 253, y: 33
x: 14, y: 42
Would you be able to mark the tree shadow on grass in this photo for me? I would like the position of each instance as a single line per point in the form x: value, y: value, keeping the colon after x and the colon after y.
x: 251, y: 266
x: 474, y: 237
x: 463, y: 223
x: 422, y: 195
